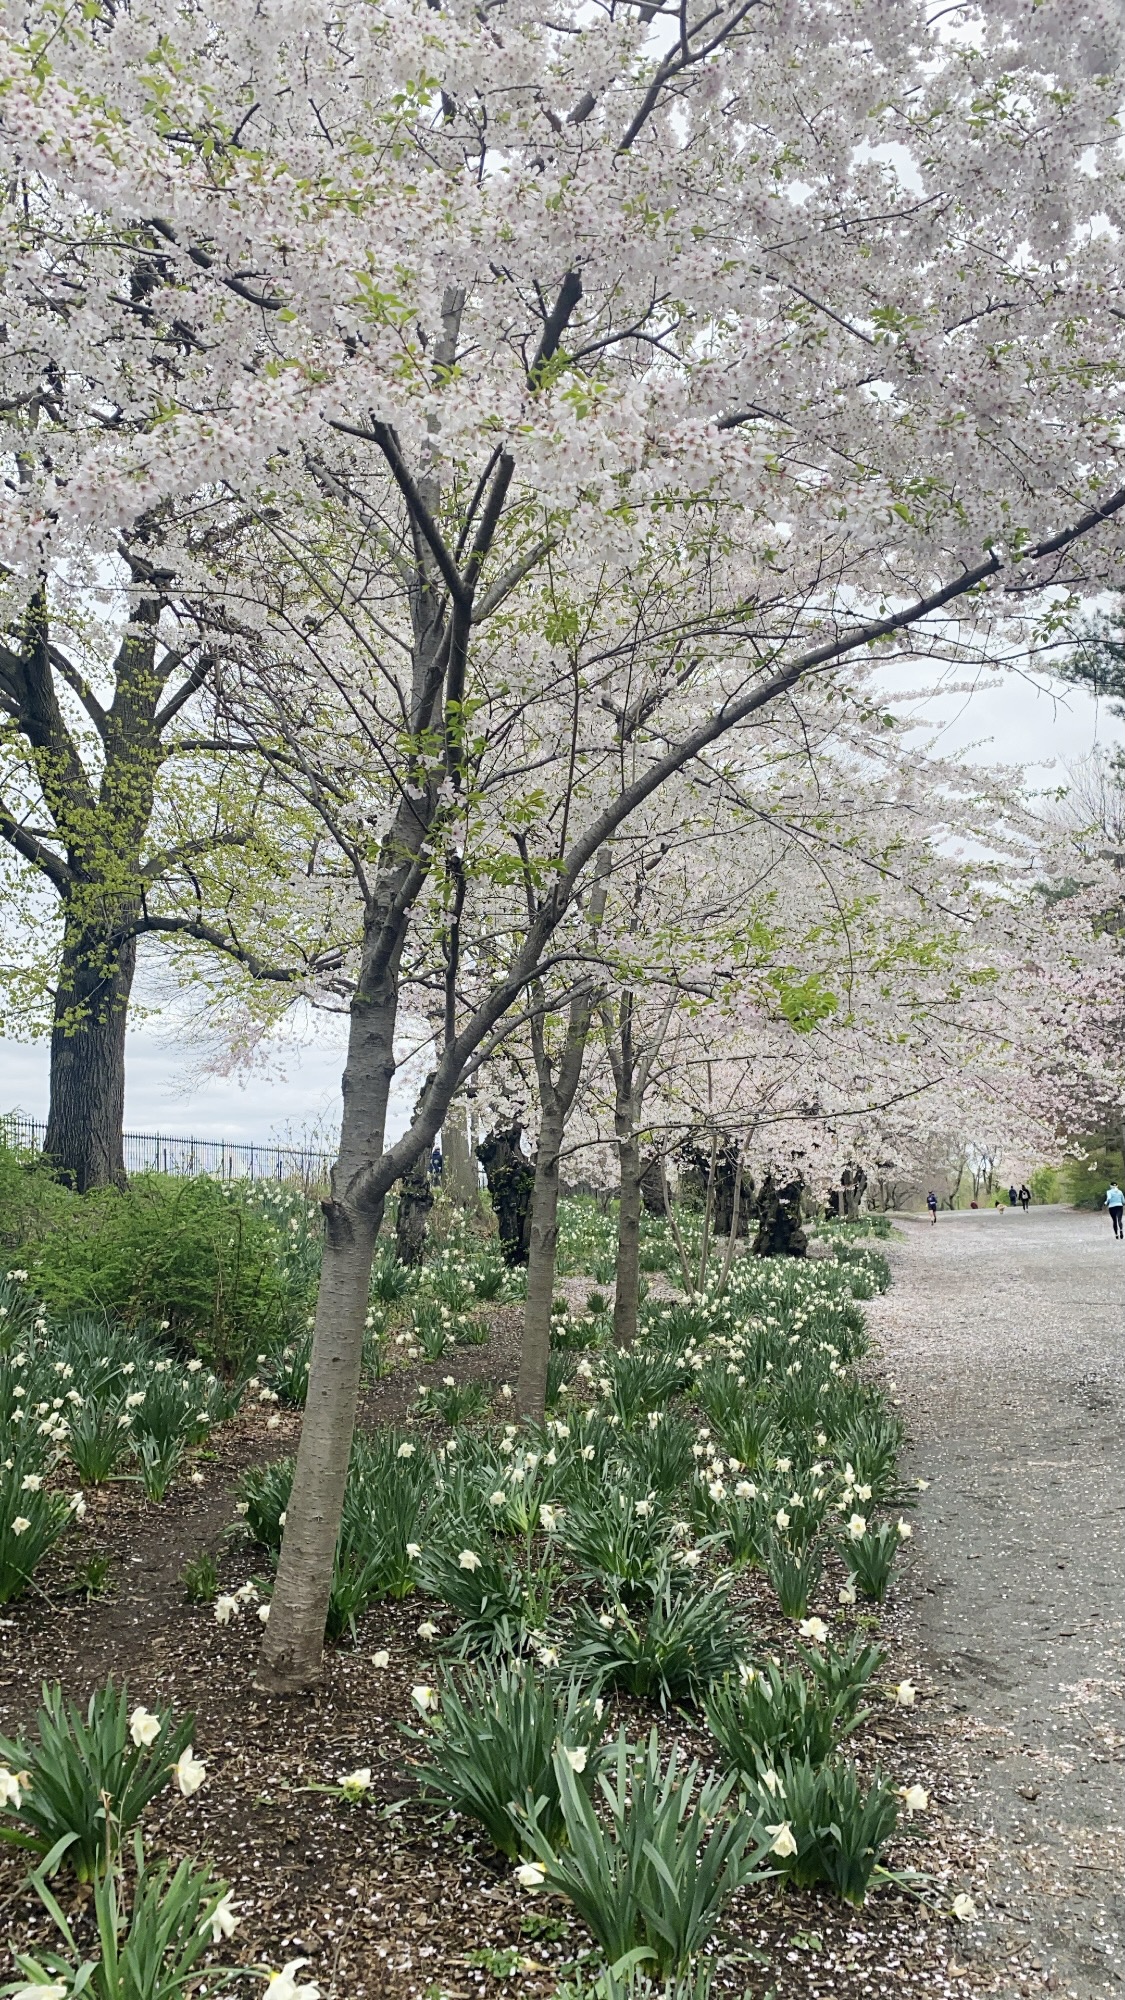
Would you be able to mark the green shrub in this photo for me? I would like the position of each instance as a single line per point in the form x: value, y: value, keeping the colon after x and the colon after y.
x: 613, y: 1546
x: 158, y: 1461
x: 88, y: 1779
x: 263, y: 1496
x: 657, y: 1874
x: 200, y: 1579
x: 673, y: 1649
x: 794, y: 1575
x: 641, y: 1382
x: 824, y: 1827
x: 454, y: 1402
x: 97, y: 1440
x: 31, y: 1202
x: 286, y: 1370
x: 657, y: 1455
x: 390, y: 1280
x: 149, y: 1951
x: 776, y: 1713
x: 494, y: 1600
x: 184, y: 1251
x: 492, y: 1741
x: 31, y: 1516
x: 628, y: 1980
x: 870, y: 1558
x: 843, y: 1675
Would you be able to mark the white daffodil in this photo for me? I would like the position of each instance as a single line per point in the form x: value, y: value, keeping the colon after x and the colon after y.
x: 548, y: 1519
x: 222, y: 1920
x: 857, y: 1527
x: 813, y: 1628
x: 283, y: 1985
x: 548, y: 1656
x: 144, y: 1727
x: 414, y: 1550
x: 10, y: 1793
x: 263, y: 1614
x: 846, y: 1593
x: 904, y: 1531
x: 382, y: 1658
x: 605, y: 1620
x: 642, y: 1508
x: 356, y: 1782
x: 226, y: 1608
x: 772, y: 1783
x: 405, y: 1451
x: 40, y: 1991
x: 425, y: 1699
x: 964, y: 1908
x: 783, y: 1843
x: 576, y: 1758
x: 531, y: 1875
x: 915, y: 1798
x: 189, y: 1772
x: 20, y: 1525
x: 31, y: 1482
x: 746, y: 1490
x: 782, y: 1518
x: 467, y: 1560
x: 427, y: 1629
x: 498, y: 1498
x: 903, y: 1695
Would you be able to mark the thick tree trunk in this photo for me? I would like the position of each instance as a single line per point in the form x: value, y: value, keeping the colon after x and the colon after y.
x: 511, y: 1184
x: 626, y: 1303
x: 531, y: 1388
x: 292, y: 1649
x: 87, y: 1106
x: 415, y: 1200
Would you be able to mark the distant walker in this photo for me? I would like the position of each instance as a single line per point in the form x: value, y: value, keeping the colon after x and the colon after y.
x: 1115, y: 1202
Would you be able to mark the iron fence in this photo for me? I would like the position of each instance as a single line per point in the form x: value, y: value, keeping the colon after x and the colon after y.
x: 162, y: 1153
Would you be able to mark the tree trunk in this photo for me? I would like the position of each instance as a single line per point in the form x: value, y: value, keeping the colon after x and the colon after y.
x: 531, y: 1387
x: 415, y: 1200
x: 293, y: 1645
x: 87, y: 1107
x: 626, y: 1302
x: 511, y: 1183
x: 458, y: 1167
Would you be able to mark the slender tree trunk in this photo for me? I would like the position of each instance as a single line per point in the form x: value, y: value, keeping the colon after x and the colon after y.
x: 626, y: 1301
x: 531, y: 1387
x: 677, y: 1238
x: 87, y: 1105
x: 708, y: 1211
x: 292, y: 1648
x: 458, y: 1167
x: 732, y: 1236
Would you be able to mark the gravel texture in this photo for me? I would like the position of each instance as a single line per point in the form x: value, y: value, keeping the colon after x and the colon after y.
x: 1005, y: 1335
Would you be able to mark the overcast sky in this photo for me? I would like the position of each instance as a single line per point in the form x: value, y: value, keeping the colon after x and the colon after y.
x: 1023, y: 722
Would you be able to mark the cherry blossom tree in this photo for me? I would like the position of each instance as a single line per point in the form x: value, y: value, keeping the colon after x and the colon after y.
x: 801, y: 318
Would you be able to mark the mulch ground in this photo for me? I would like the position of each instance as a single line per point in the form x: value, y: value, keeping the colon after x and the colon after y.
x: 387, y: 1897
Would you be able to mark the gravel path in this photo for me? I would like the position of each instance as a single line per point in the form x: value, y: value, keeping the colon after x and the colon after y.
x: 1005, y: 1334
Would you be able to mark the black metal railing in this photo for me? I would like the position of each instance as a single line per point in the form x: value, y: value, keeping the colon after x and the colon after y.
x: 162, y: 1153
